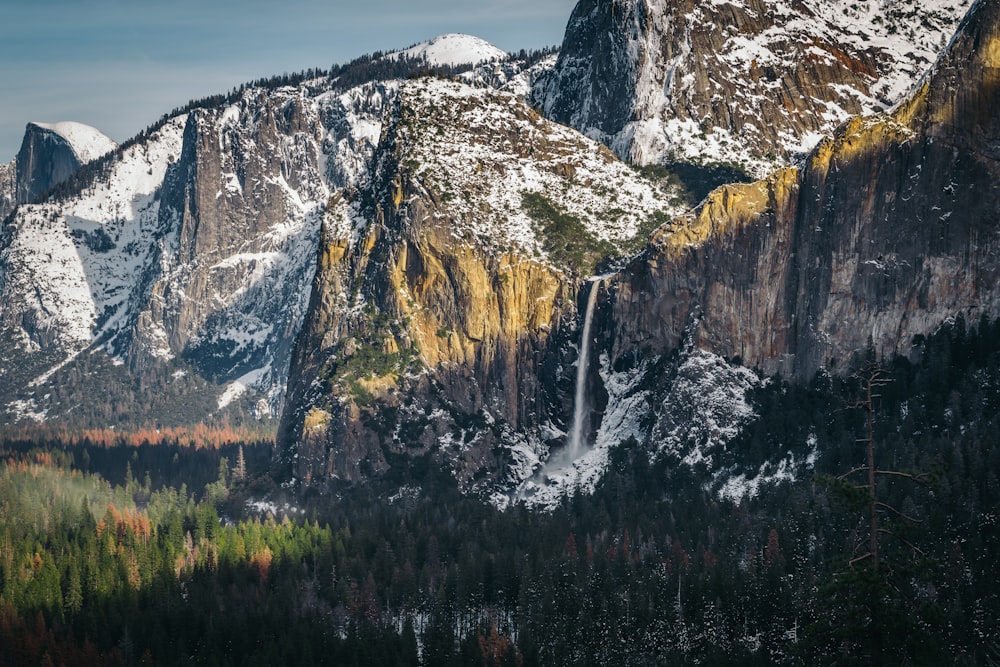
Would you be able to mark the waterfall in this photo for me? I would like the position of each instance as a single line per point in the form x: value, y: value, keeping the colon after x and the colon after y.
x: 580, y: 398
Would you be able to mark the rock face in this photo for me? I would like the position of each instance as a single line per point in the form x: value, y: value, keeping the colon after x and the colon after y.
x: 756, y: 82
x: 426, y: 244
x: 242, y: 204
x: 192, y: 250
x: 441, y: 288
x: 889, y: 229
x: 51, y: 153
x: 177, y: 269
x: 8, y: 188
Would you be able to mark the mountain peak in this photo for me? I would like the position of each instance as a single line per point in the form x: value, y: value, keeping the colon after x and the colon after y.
x: 52, y: 152
x: 454, y: 49
x: 87, y: 143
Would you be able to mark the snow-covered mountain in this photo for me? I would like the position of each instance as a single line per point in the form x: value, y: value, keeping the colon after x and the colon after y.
x: 190, y: 250
x: 444, y: 304
x: 452, y: 50
x: 52, y: 152
x: 179, y: 266
x: 400, y: 265
x: 753, y: 82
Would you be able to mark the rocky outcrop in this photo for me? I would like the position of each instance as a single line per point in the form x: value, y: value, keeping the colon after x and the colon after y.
x: 50, y: 154
x: 8, y: 188
x: 439, y: 293
x: 889, y: 229
x: 755, y: 82
x: 242, y: 203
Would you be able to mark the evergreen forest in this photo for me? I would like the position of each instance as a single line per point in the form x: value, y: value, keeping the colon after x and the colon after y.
x: 162, y: 553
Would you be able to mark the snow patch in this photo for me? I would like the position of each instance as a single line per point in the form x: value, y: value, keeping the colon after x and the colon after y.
x: 739, y: 487
x: 705, y: 408
x: 239, y: 387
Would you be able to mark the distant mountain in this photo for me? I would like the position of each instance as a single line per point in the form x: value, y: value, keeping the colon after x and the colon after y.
x: 752, y: 82
x: 49, y: 155
x: 453, y: 50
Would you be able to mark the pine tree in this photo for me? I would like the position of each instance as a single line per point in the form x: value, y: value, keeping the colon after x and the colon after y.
x: 240, y: 472
x: 872, y: 610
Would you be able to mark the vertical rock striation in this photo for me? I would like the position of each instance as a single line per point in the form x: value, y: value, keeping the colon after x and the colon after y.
x: 8, y: 188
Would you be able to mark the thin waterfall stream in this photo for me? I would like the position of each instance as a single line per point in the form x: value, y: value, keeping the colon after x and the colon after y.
x: 580, y: 397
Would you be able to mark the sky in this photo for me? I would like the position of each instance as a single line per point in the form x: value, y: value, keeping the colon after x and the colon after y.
x: 121, y: 64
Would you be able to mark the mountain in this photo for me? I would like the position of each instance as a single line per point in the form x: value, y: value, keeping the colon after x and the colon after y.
x: 887, y: 234
x: 166, y: 282
x: 191, y: 251
x: 427, y: 278
x: 790, y: 275
x: 752, y: 82
x: 49, y: 155
x: 443, y: 283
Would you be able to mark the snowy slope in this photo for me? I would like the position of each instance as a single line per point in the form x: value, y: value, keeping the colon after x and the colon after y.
x: 484, y: 149
x: 453, y: 50
x: 71, y: 268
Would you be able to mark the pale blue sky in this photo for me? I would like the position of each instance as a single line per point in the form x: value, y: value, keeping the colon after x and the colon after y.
x: 121, y: 64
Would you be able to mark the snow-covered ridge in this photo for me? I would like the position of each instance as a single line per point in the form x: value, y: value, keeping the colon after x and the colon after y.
x: 88, y: 143
x: 74, y: 266
x: 197, y: 241
x: 452, y: 50
x: 482, y: 150
x: 757, y: 84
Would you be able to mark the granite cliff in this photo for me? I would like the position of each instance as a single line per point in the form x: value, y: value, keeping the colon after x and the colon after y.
x: 446, y: 287
x: 754, y: 82
x: 887, y: 230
